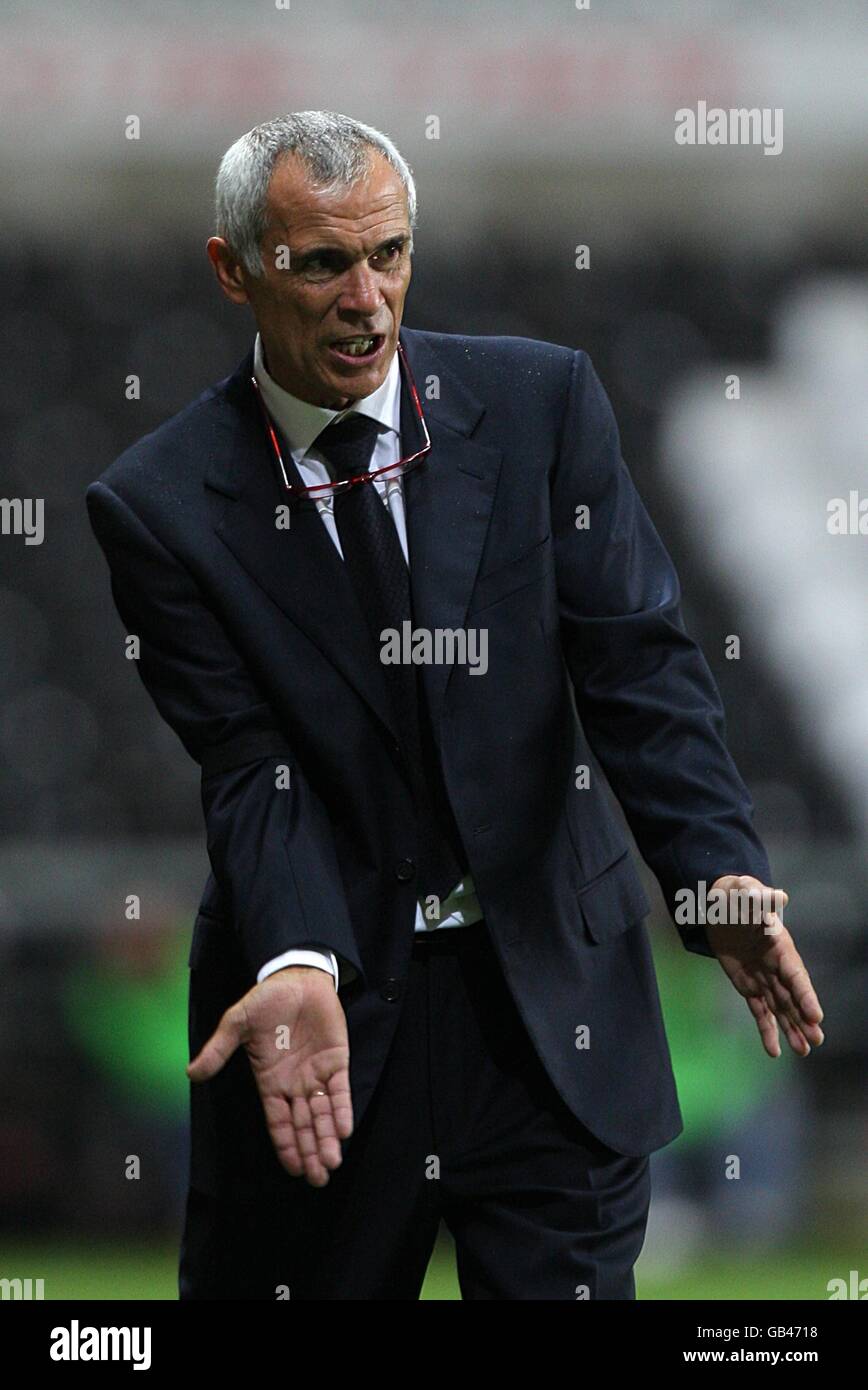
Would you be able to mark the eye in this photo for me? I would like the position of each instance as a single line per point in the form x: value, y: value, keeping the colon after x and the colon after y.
x: 321, y: 266
x: 389, y: 253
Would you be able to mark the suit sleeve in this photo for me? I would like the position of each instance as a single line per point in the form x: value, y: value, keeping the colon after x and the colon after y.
x: 646, y: 697
x: 271, y: 847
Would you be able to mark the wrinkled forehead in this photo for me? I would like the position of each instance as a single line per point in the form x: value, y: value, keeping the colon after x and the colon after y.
x: 375, y: 205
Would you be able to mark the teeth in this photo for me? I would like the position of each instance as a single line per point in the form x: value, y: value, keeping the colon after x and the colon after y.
x: 356, y: 347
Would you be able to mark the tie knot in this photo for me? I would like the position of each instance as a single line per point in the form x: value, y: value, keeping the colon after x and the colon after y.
x: 348, y: 444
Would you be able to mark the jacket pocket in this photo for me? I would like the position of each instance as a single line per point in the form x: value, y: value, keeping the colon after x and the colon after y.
x: 614, y: 901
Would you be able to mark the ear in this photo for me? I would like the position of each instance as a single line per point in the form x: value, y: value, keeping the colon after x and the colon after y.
x: 228, y: 269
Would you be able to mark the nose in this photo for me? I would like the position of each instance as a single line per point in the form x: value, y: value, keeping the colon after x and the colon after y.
x: 361, y: 292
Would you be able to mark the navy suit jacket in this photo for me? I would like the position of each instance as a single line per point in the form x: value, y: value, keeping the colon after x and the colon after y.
x: 254, y: 649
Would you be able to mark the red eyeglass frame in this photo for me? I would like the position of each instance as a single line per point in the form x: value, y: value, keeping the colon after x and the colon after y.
x: 399, y: 468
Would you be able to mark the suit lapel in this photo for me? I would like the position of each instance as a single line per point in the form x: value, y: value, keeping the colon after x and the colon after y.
x: 448, y: 502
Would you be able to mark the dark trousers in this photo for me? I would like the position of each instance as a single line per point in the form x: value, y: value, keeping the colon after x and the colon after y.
x: 464, y: 1126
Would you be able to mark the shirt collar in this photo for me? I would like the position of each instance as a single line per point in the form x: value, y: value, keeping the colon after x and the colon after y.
x: 300, y: 422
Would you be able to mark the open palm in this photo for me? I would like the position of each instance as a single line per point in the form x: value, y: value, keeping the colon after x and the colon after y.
x: 294, y: 1031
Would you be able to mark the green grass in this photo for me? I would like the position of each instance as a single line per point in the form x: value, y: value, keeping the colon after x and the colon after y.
x: 108, y: 1271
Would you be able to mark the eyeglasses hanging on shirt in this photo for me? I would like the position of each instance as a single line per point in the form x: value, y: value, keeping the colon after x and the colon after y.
x: 321, y: 491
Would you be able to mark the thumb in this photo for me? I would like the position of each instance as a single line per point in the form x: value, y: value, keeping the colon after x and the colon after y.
x: 223, y: 1042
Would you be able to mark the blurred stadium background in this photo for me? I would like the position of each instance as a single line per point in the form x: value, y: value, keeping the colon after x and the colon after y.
x: 555, y: 131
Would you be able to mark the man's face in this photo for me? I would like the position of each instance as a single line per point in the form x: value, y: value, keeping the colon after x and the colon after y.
x: 347, y: 278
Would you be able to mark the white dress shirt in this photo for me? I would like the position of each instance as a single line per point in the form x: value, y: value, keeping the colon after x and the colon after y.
x: 300, y: 423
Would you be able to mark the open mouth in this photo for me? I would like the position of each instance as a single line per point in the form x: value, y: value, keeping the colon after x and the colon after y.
x: 358, y: 350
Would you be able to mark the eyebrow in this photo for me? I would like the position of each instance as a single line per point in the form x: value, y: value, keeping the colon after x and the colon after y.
x: 313, y: 251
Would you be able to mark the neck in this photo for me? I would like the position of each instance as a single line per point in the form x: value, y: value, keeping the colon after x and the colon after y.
x: 282, y: 380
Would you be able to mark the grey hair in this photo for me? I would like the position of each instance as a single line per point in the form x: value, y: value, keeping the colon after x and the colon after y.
x: 336, y: 149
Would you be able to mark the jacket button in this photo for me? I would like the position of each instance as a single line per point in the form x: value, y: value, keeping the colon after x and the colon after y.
x: 391, y: 991
x: 404, y: 870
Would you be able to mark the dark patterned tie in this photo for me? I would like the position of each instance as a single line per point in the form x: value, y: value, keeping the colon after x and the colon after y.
x: 372, y: 551
x: 378, y: 570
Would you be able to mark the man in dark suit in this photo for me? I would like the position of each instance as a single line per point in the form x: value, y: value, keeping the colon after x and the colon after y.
x: 393, y: 663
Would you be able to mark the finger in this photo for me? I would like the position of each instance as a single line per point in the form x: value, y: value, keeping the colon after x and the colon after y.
x: 793, y: 988
x: 342, y: 1103
x: 766, y: 1023
x: 778, y: 1001
x: 768, y: 997
x: 328, y: 1144
x: 314, y: 1169
x: 331, y: 1118
x: 798, y: 982
x: 216, y: 1052
x: 784, y: 1004
x: 278, y: 1117
x: 794, y: 1036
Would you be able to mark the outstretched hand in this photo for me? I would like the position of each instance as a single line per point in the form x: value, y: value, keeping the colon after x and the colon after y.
x: 761, y: 960
x: 295, y: 1033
